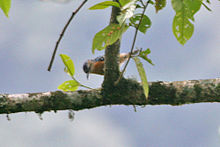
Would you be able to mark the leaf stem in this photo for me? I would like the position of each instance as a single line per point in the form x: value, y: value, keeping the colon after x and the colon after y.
x: 142, y: 3
x: 85, y: 86
x: 81, y: 84
x: 134, y: 40
x: 62, y: 33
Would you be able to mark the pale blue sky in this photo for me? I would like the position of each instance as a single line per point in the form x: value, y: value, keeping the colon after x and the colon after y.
x: 27, y: 39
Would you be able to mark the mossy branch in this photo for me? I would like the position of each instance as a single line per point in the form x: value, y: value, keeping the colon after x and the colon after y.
x: 111, y: 59
x: 130, y: 93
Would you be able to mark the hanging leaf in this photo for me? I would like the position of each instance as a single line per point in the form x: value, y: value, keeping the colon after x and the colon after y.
x: 144, y: 25
x: 5, y: 6
x: 191, y: 7
x: 108, y: 36
x: 68, y: 64
x: 160, y: 4
x: 104, y: 5
x: 70, y: 85
x: 143, y: 54
x: 182, y: 28
x: 142, y: 74
x: 185, y: 10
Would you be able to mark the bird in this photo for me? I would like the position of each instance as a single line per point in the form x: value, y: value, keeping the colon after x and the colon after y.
x: 96, y: 66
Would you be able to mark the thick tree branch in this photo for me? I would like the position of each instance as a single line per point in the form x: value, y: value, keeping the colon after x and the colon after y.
x: 111, y: 60
x: 172, y: 93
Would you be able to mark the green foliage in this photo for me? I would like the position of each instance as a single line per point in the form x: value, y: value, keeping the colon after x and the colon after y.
x: 182, y: 28
x: 185, y: 10
x: 108, y: 36
x: 208, y: 1
x: 124, y: 2
x: 143, y: 55
x: 5, y: 6
x: 73, y: 84
x: 151, y: 2
x: 68, y: 64
x: 104, y: 5
x: 160, y: 4
x: 142, y: 74
x: 144, y: 25
x: 70, y: 85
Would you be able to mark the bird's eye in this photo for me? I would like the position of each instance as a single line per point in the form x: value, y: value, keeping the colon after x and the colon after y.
x: 102, y: 59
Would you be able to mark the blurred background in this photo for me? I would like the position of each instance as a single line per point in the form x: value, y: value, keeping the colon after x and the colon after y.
x: 27, y: 39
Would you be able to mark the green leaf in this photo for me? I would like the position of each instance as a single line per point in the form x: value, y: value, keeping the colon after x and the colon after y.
x: 144, y: 25
x: 108, y: 36
x: 191, y: 7
x: 182, y: 28
x: 185, y: 10
x: 151, y: 2
x: 5, y: 6
x: 124, y: 2
x: 68, y: 64
x: 143, y: 54
x: 160, y: 4
x: 70, y: 85
x: 188, y: 7
x: 177, y: 5
x: 208, y: 1
x: 104, y: 5
x: 142, y: 74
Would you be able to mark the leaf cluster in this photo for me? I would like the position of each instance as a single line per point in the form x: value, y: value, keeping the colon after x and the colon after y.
x: 70, y: 85
x: 111, y: 33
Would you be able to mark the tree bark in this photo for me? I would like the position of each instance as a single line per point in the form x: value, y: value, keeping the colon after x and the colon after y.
x: 111, y: 61
x: 171, y: 93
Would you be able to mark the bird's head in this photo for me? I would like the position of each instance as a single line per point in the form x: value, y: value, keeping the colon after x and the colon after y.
x: 87, y: 67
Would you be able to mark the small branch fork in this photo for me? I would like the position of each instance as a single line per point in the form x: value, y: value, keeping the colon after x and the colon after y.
x: 134, y: 40
x: 62, y: 33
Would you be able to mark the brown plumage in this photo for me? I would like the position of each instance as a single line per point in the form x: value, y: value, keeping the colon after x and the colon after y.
x: 96, y: 66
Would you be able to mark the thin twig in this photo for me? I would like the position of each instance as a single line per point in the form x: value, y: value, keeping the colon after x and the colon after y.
x: 142, y: 3
x: 134, y: 40
x: 62, y: 33
x: 206, y: 6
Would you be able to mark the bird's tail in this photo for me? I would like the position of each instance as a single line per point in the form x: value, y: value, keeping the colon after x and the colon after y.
x: 125, y: 56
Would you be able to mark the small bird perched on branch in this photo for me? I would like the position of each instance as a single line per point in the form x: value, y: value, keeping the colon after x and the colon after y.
x: 96, y: 66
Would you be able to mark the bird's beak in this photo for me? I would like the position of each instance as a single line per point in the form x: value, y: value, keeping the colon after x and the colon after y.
x: 87, y: 75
